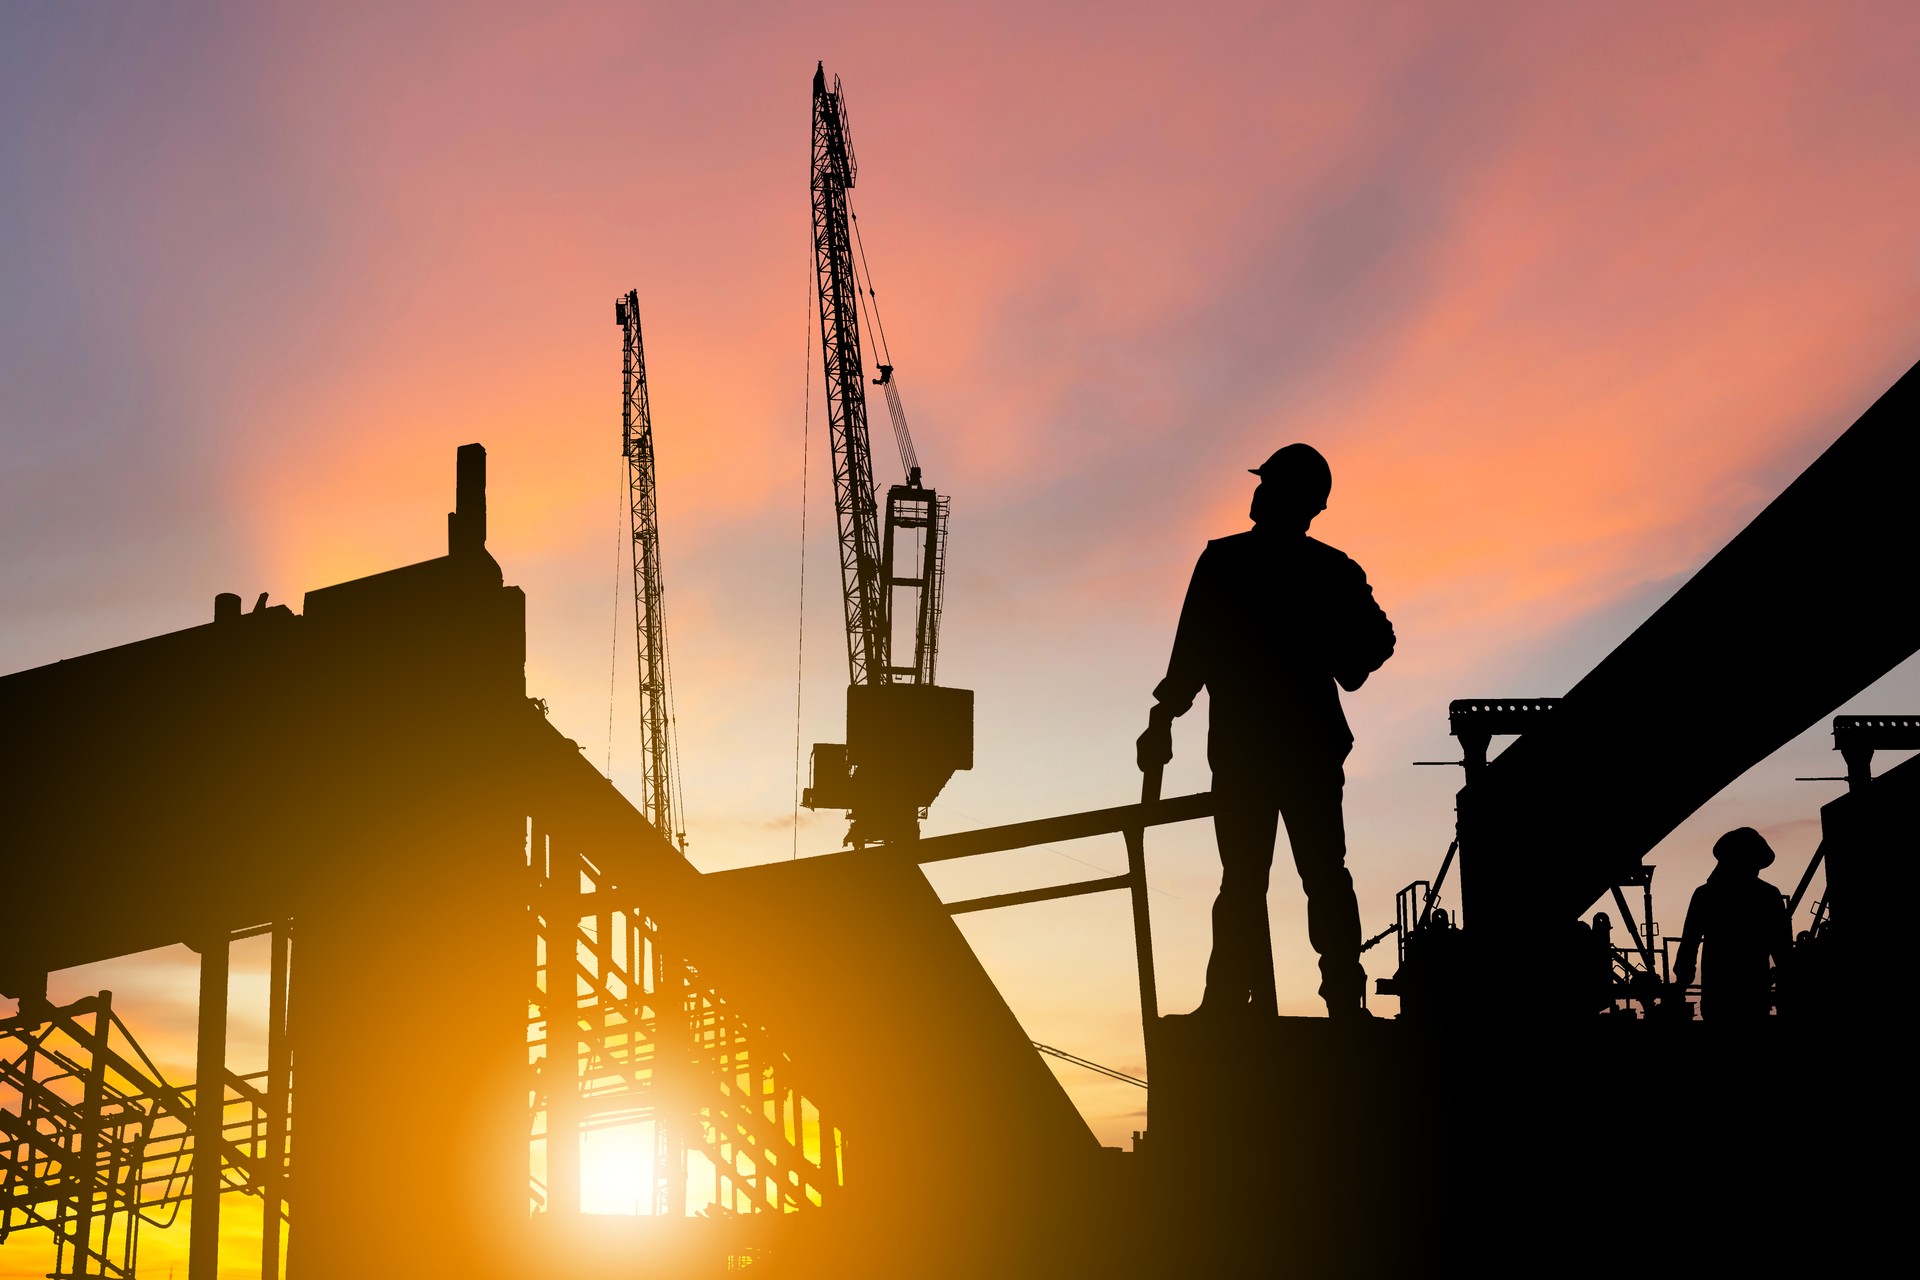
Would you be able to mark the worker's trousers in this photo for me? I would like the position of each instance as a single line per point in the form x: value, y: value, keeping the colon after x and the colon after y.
x: 1248, y: 804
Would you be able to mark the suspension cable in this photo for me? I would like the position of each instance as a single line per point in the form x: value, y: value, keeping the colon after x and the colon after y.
x: 613, y: 660
x: 675, y: 773
x: 869, y: 302
x: 800, y: 626
x: 879, y: 329
x: 1090, y: 1065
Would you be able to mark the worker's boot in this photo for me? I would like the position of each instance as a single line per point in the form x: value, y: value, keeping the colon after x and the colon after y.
x: 1343, y: 985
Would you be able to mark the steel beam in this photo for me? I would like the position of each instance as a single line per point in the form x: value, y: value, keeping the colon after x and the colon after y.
x: 1048, y: 894
x: 209, y: 1110
x: 1071, y: 826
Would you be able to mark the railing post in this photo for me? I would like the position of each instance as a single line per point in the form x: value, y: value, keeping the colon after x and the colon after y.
x: 1136, y: 837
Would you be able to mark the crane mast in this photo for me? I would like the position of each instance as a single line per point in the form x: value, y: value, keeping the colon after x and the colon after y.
x: 905, y: 735
x: 636, y: 445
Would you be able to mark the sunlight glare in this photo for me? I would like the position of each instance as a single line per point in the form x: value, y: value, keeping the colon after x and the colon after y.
x: 616, y: 1169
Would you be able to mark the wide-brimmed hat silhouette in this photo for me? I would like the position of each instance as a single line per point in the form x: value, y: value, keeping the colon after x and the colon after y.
x: 1743, y: 847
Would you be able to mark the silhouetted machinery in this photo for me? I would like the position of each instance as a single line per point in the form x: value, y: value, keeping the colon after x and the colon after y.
x: 906, y: 735
x: 1804, y: 609
x: 1869, y: 845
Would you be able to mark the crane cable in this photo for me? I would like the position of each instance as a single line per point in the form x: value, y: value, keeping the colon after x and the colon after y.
x: 1089, y: 1064
x: 613, y: 660
x: 873, y: 298
x: 800, y: 653
x: 870, y: 304
x: 674, y: 772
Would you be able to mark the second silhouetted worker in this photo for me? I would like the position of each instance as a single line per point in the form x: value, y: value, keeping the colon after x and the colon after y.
x: 1272, y: 620
x: 1744, y: 923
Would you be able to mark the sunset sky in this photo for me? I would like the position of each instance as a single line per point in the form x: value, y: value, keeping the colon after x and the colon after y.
x: 1564, y: 293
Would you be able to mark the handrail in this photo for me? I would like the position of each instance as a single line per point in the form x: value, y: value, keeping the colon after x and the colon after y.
x: 1150, y: 812
x: 1131, y: 820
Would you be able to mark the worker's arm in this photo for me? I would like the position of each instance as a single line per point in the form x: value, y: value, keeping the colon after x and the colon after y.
x: 1780, y: 932
x: 1368, y: 636
x: 1186, y: 668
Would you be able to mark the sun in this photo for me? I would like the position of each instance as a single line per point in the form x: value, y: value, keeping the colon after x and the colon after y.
x: 617, y: 1169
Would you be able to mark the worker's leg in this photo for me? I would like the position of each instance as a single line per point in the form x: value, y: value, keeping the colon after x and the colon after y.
x: 1241, y: 967
x: 1739, y: 999
x: 1310, y: 797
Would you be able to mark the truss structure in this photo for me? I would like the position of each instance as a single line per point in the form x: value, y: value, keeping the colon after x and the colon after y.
x: 96, y: 1143
x: 623, y: 1032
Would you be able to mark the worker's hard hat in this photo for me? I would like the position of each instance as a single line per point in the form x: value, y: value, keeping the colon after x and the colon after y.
x: 1743, y: 846
x: 1298, y: 466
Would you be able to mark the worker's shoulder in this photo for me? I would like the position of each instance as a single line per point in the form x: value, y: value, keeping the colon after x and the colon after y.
x: 1329, y: 555
x: 1235, y: 554
x: 1334, y: 563
x: 1249, y: 545
x: 1234, y: 544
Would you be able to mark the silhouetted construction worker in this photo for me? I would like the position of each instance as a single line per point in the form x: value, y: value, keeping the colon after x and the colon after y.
x: 1597, y: 975
x: 1272, y: 620
x: 1743, y: 922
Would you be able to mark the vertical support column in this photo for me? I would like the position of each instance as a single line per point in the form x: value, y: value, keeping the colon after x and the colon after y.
x: 673, y: 1057
x: 209, y: 1110
x: 29, y: 1063
x: 279, y: 1061
x: 1474, y: 746
x: 563, y: 1037
x: 1859, y: 760
x: 89, y: 1158
x: 1646, y: 903
x: 34, y: 1010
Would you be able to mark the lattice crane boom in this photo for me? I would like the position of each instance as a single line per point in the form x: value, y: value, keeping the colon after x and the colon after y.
x: 905, y: 736
x: 868, y: 640
x: 657, y: 757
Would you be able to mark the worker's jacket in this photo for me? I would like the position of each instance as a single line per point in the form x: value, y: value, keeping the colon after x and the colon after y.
x: 1271, y: 622
x: 1744, y: 923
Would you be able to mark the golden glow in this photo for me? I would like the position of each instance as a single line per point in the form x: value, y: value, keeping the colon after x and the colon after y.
x: 617, y: 1169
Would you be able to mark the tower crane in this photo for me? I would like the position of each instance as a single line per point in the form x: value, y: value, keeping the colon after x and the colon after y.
x: 658, y: 761
x: 906, y: 736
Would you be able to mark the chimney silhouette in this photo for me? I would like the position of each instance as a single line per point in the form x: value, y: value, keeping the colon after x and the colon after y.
x: 467, y: 522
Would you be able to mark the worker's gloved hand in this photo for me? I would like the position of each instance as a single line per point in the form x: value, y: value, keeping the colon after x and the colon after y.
x: 1683, y: 974
x: 1154, y: 747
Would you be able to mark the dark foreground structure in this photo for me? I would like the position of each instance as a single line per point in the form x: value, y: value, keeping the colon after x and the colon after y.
x: 483, y: 954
